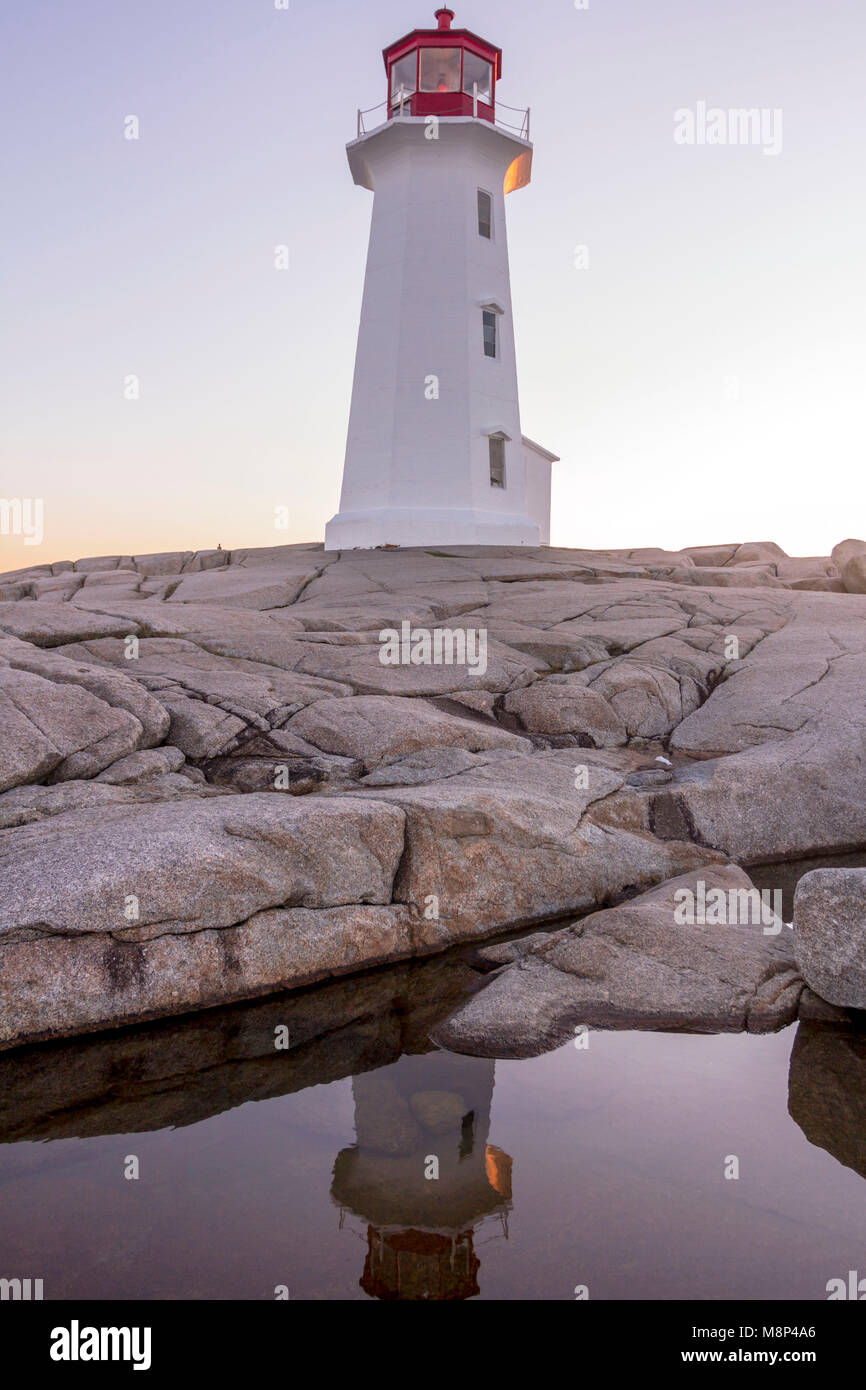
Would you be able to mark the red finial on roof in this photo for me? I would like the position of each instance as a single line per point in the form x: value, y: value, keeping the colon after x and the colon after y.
x: 445, y: 17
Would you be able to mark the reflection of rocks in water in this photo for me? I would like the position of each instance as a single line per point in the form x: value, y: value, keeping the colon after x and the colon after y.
x: 785, y: 876
x: 179, y: 1072
x: 420, y: 1112
x: 827, y: 1091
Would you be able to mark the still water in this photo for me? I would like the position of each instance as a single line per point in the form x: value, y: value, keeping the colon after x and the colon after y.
x: 308, y: 1168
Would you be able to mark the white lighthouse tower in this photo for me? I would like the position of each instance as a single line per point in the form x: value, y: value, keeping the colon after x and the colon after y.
x: 435, y: 453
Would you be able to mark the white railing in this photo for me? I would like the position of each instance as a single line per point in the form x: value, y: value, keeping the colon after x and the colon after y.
x: 402, y: 110
x: 523, y: 112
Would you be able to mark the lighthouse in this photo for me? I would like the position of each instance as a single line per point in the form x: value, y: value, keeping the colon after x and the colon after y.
x: 435, y: 454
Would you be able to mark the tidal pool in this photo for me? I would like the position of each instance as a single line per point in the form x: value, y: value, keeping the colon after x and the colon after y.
x: 313, y: 1168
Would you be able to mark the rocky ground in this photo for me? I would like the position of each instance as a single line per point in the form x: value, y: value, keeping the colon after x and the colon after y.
x: 211, y: 787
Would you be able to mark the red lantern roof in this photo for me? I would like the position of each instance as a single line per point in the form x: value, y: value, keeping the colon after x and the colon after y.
x: 446, y: 36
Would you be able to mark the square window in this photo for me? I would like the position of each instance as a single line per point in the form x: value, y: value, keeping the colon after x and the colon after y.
x: 440, y: 70
x: 489, y: 319
x: 485, y: 214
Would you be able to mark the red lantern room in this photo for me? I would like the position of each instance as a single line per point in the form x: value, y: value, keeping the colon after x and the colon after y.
x: 442, y: 72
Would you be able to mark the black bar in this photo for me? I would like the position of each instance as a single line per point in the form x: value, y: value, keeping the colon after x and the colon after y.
x: 242, y: 1338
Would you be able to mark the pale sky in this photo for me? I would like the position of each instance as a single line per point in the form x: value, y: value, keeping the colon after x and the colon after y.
x: 702, y: 378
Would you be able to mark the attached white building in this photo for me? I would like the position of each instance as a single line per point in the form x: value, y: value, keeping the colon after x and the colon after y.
x: 435, y: 452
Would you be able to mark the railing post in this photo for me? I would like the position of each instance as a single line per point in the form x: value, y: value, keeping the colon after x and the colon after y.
x: 528, y: 110
x: 359, y: 122
x: 475, y: 99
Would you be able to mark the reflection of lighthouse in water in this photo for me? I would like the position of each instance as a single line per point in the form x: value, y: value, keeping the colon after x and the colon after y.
x: 420, y: 1229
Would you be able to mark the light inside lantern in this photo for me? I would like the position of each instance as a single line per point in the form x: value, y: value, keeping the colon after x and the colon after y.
x: 440, y: 70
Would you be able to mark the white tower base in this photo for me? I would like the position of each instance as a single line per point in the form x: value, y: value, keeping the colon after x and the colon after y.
x: 428, y: 526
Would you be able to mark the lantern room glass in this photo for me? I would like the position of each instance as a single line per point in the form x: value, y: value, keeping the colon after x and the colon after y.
x: 440, y: 70
x: 404, y: 75
x: 475, y: 69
